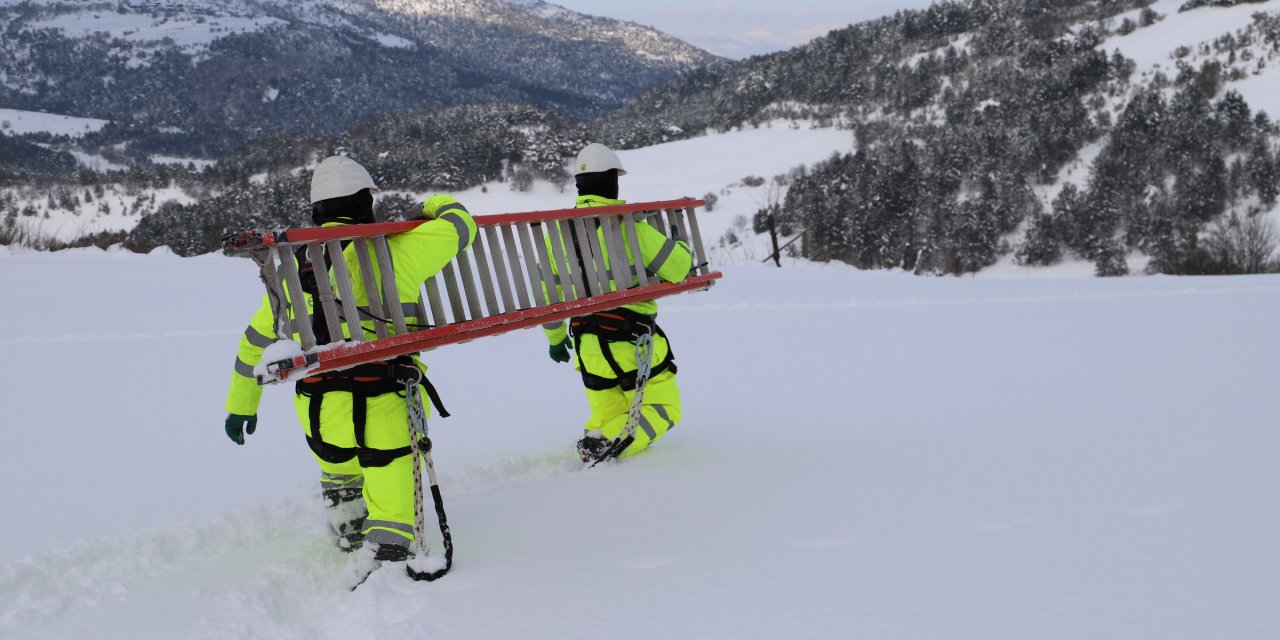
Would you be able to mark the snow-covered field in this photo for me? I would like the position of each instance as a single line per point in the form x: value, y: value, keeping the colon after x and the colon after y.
x: 1152, y: 46
x: 18, y: 122
x: 187, y: 31
x: 863, y: 455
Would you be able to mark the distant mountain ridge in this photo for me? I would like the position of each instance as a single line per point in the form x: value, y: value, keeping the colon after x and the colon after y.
x: 199, y: 78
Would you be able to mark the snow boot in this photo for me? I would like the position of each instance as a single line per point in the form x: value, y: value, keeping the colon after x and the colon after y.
x: 392, y: 553
x: 347, y: 513
x: 593, y: 448
x: 369, y: 560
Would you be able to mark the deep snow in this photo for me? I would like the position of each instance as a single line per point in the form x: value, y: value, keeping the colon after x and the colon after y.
x: 870, y: 455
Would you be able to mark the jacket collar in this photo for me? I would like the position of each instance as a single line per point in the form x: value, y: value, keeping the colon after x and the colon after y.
x: 597, y: 201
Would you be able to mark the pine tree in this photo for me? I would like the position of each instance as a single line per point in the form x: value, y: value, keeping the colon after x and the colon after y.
x: 1110, y: 260
x: 1041, y: 246
x: 1263, y: 174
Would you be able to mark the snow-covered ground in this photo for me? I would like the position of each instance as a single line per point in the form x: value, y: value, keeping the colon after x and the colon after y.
x: 863, y: 455
x: 1152, y: 48
x: 18, y: 122
x: 189, y: 31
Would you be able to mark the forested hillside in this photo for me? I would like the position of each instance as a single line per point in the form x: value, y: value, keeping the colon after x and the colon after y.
x: 985, y: 129
x: 414, y: 153
x: 967, y: 115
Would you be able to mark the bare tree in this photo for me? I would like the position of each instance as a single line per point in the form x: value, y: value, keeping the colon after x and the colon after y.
x: 1243, y: 245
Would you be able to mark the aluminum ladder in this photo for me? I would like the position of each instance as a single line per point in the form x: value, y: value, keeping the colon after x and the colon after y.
x: 504, y: 281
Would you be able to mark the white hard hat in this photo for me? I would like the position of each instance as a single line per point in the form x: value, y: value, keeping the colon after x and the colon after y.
x: 339, y: 176
x: 596, y: 157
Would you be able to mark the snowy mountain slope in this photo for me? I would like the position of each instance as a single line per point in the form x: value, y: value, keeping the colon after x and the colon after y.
x: 1154, y: 48
x: 192, y: 24
x: 220, y: 73
x: 863, y: 454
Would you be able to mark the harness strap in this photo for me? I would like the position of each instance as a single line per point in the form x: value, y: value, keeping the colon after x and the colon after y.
x: 362, y: 382
x: 616, y: 325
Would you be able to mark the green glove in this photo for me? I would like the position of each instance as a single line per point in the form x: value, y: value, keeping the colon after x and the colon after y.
x: 238, y: 425
x: 560, y: 352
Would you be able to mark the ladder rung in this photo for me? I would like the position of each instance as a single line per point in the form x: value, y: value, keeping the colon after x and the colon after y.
x: 522, y: 291
x: 642, y: 274
x: 346, y: 291
x: 587, y: 257
x: 390, y: 292
x: 297, y: 298
x: 438, y: 318
x: 486, y: 276
x: 456, y: 305
x: 315, y: 251
x: 368, y: 277
x: 695, y: 244
x: 500, y: 272
x: 469, y: 285
x: 545, y: 288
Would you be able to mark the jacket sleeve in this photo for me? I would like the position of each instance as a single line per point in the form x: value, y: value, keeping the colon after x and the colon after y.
x: 245, y: 393
x: 665, y: 257
x: 556, y: 331
x: 423, y: 251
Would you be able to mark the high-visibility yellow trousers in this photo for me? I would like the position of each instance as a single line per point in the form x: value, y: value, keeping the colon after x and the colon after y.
x: 388, y: 489
x: 660, y: 408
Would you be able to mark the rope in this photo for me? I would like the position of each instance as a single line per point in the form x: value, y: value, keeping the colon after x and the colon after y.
x: 421, y: 445
x: 644, y: 364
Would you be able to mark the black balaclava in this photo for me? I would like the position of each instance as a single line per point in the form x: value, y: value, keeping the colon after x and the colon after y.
x: 603, y: 184
x: 356, y: 208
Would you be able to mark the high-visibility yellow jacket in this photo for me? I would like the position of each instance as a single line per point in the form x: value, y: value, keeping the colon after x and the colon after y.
x: 416, y: 255
x: 664, y: 257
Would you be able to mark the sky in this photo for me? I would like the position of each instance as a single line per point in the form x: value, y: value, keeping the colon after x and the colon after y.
x: 742, y: 28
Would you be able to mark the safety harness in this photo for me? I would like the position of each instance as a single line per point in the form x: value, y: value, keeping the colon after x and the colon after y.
x: 362, y: 382
x: 617, y: 325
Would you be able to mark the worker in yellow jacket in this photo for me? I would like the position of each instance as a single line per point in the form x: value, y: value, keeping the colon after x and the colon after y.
x: 355, y: 420
x: 605, y: 342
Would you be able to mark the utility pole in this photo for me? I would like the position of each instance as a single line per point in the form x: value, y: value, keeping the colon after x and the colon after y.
x: 773, y: 236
